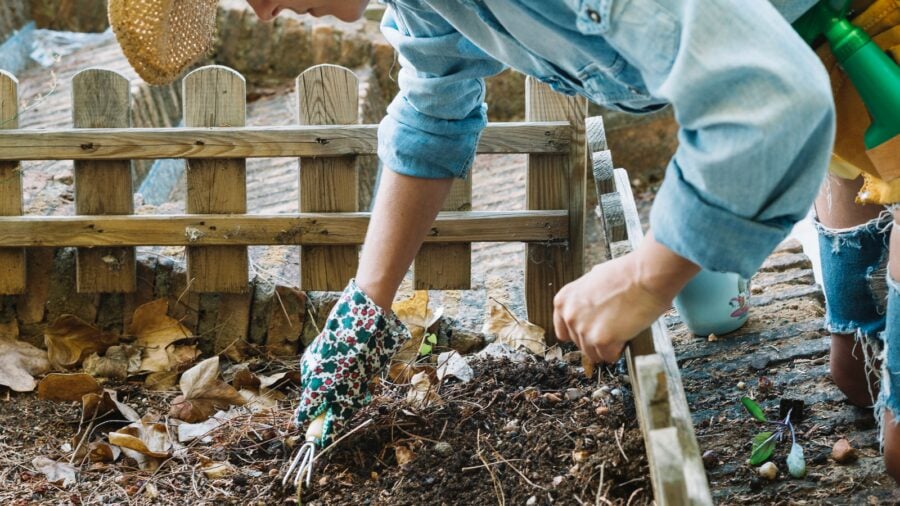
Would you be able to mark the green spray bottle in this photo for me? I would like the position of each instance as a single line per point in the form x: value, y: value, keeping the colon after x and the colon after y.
x: 873, y: 73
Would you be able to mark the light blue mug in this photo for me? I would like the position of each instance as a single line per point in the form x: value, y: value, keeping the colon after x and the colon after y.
x: 714, y: 303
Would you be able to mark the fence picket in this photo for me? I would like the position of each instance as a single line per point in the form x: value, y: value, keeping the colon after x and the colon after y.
x: 102, y: 99
x: 447, y: 266
x: 12, y: 260
x: 555, y: 182
x: 328, y: 95
x: 215, y: 96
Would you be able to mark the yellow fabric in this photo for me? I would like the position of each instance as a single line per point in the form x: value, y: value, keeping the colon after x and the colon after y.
x: 882, y: 22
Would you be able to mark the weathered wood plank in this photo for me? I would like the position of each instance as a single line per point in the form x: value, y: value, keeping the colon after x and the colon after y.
x: 555, y: 182
x: 669, y: 480
x: 328, y: 95
x: 253, y: 142
x: 330, y: 229
x: 12, y: 261
x: 216, y: 97
x: 656, y: 340
x: 102, y: 99
x: 447, y: 266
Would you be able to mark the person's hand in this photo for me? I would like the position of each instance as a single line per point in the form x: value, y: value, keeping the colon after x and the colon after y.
x: 607, y: 307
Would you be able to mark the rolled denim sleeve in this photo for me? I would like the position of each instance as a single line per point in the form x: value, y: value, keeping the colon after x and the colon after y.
x: 433, y: 125
x: 756, y: 120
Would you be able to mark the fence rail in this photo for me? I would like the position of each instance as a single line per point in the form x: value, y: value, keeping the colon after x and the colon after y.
x: 328, y: 227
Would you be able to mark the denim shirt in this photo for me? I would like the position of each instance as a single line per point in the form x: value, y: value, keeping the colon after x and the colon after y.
x: 753, y: 103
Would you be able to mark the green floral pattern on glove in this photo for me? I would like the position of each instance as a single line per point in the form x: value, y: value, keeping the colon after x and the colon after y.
x: 356, y: 344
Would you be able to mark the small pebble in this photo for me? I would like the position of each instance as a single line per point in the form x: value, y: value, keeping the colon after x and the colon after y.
x: 710, y: 459
x: 531, y: 501
x: 557, y: 480
x: 599, y: 394
x: 741, y: 385
x: 843, y: 453
x: 573, y: 394
x: 768, y: 471
x: 712, y: 338
x: 552, y: 397
x: 615, y: 392
x: 511, y: 426
x: 602, y: 410
x: 443, y: 449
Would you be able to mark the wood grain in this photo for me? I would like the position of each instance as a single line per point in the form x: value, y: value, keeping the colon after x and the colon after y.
x: 252, y: 142
x: 328, y: 95
x: 447, y: 266
x: 102, y: 99
x: 555, y: 182
x: 215, y: 96
x: 332, y: 229
x: 12, y: 261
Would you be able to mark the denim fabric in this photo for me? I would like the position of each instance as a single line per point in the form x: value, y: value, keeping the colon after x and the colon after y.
x: 753, y: 102
x: 853, y: 273
x: 889, y: 396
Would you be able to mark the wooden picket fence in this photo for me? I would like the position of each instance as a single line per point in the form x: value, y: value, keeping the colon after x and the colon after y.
x: 327, y: 139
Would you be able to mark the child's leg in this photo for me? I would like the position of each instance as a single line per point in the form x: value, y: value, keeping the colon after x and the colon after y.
x: 890, y: 380
x: 404, y: 210
x: 853, y: 250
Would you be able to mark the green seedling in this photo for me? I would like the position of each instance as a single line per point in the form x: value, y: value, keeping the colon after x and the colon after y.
x: 764, y: 443
x: 428, y: 344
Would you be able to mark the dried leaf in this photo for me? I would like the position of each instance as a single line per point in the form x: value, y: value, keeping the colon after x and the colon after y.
x: 451, y: 363
x: 19, y: 363
x: 147, y: 443
x: 243, y: 378
x: 119, y: 362
x: 103, y: 452
x: 156, y: 331
x: 279, y: 380
x: 422, y: 392
x: 263, y: 400
x: 190, y: 431
x: 67, y: 387
x: 514, y: 332
x: 161, y: 381
x: 415, y: 314
x: 99, y: 405
x: 70, y: 340
x: 404, y: 455
x: 57, y: 473
x: 203, y: 393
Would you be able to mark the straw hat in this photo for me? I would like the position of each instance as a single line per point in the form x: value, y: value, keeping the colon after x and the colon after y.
x: 161, y: 38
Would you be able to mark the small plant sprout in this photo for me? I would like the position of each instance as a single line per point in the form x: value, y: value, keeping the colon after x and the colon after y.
x: 764, y: 443
x: 428, y: 344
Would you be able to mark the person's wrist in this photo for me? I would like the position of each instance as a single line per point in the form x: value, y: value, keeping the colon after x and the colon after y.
x: 661, y: 272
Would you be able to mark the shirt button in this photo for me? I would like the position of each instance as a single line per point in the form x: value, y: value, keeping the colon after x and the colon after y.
x: 594, y: 15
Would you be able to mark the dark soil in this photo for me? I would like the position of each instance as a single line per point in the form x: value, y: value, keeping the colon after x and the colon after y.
x: 490, y: 458
x: 467, y: 449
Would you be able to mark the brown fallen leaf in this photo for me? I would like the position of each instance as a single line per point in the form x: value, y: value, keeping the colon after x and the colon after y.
x: 96, y: 406
x: 161, y: 381
x: 156, y: 331
x: 203, y: 393
x: 418, y: 318
x: 513, y: 331
x: 146, y: 442
x: 404, y: 455
x: 70, y: 340
x: 422, y: 392
x: 119, y: 362
x: 103, y: 452
x: 19, y: 363
x: 57, y: 473
x: 218, y: 470
x: 67, y: 387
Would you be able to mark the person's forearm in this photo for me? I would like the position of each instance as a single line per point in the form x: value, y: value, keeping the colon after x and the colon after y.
x: 405, y: 208
x: 661, y: 271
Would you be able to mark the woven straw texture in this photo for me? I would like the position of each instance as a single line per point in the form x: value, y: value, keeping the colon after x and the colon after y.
x: 161, y: 38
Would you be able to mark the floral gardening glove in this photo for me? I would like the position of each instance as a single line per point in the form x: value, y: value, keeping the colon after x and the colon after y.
x: 356, y: 344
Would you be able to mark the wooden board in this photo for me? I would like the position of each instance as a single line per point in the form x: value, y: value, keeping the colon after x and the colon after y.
x: 216, y: 97
x: 253, y: 142
x: 555, y: 182
x: 328, y: 95
x: 333, y: 229
x: 447, y: 266
x: 12, y: 261
x: 102, y: 99
x: 657, y: 341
